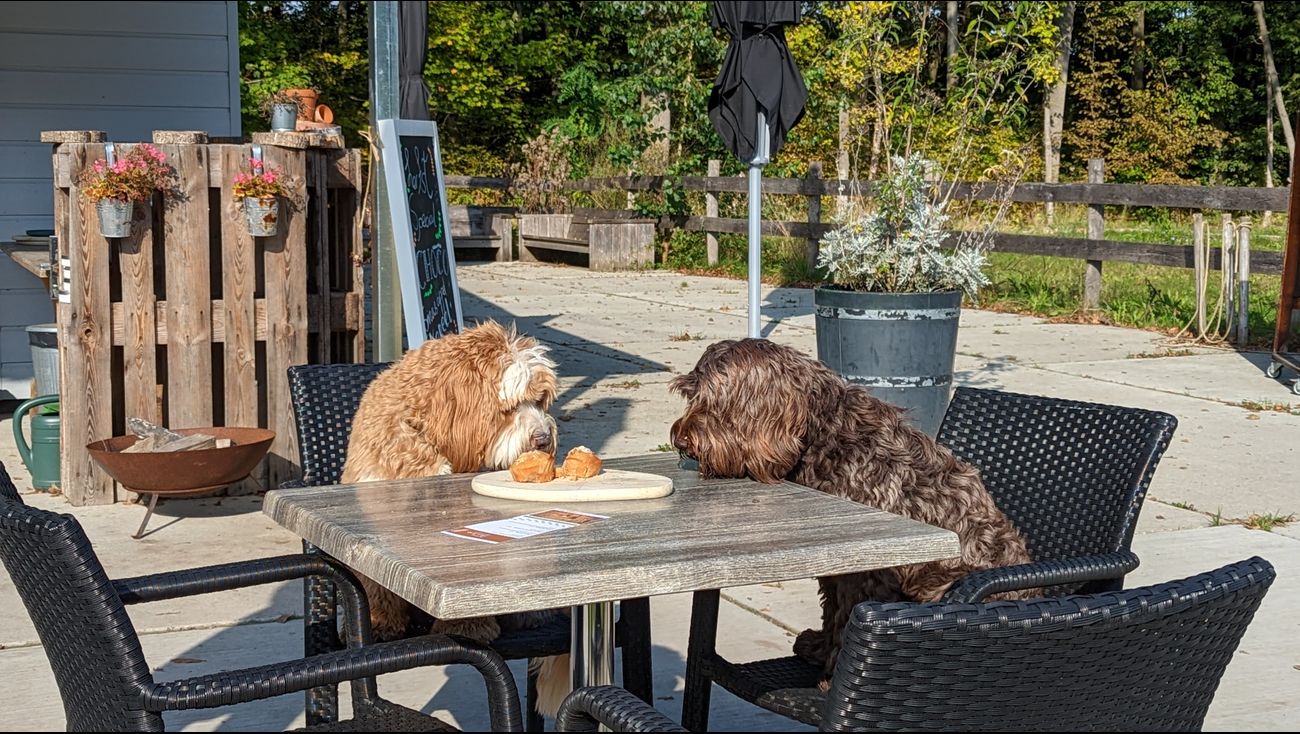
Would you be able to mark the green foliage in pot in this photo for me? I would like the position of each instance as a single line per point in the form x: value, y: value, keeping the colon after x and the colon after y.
x: 899, y: 246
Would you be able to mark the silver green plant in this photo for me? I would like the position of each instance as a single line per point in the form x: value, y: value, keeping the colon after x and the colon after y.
x: 898, y: 247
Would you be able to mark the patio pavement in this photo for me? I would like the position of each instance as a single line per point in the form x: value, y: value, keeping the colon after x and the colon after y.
x: 618, y: 339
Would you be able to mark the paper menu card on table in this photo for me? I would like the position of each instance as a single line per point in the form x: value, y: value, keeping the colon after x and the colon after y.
x: 523, y: 526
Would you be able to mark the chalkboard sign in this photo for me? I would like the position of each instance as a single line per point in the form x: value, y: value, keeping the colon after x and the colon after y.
x: 417, y: 205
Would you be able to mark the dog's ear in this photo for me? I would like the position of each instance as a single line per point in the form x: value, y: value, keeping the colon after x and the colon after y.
x: 528, y: 375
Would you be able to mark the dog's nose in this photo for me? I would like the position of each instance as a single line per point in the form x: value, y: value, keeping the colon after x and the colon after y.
x: 542, y: 441
x: 680, y: 443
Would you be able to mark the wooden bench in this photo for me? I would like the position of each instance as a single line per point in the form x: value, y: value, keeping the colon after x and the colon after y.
x: 483, y: 228
x: 610, y: 242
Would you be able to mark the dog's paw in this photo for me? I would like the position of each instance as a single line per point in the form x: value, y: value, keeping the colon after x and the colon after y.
x: 812, y: 646
x: 478, y: 629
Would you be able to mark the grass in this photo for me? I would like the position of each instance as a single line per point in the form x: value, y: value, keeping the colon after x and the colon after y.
x: 685, y: 336
x: 628, y: 384
x: 1268, y: 521
x: 664, y: 447
x: 1141, y: 296
x: 1259, y: 521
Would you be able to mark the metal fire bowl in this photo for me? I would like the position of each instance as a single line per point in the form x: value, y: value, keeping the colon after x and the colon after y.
x: 184, y: 473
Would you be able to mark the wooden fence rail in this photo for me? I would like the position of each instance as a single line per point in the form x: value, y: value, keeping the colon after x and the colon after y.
x: 1094, y: 249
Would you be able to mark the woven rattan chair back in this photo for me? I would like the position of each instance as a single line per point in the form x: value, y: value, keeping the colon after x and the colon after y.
x: 89, y: 640
x: 8, y: 491
x: 1147, y: 659
x: 1070, y: 475
x: 325, y: 399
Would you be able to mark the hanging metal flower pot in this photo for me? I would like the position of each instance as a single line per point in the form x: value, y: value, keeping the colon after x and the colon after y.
x: 115, y: 217
x: 263, y: 215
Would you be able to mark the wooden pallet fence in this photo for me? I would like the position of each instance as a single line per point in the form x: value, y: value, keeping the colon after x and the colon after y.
x: 191, y: 321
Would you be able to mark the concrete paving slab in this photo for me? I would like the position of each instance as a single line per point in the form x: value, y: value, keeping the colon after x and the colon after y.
x: 605, y: 328
x: 1258, y: 691
x: 1222, y: 458
x: 1229, y: 377
x: 1046, y: 343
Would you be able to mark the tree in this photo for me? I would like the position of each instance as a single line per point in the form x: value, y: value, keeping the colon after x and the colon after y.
x: 1274, y: 88
x: 1054, y: 103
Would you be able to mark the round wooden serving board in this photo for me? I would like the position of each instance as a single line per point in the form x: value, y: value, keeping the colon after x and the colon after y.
x: 610, y: 484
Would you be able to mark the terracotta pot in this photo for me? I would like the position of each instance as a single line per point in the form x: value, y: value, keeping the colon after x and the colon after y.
x: 306, y: 102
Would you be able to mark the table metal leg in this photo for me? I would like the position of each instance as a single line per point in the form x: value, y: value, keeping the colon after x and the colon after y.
x: 591, y: 656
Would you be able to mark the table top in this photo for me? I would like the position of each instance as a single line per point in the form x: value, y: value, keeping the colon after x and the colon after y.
x: 708, y: 534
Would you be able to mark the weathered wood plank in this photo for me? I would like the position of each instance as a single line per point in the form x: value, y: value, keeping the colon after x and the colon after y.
x: 351, y: 202
x: 189, y: 298
x: 1096, y: 231
x: 319, y: 231
x: 706, y: 535
x: 236, y: 313
x: 84, y: 343
x: 285, y: 266
x: 140, y: 325
x: 345, y: 315
x: 1175, y: 256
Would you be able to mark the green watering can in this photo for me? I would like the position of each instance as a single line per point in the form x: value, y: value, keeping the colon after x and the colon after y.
x: 42, y: 455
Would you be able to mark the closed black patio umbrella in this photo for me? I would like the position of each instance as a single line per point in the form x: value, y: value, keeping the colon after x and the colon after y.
x: 413, y: 35
x: 758, y: 96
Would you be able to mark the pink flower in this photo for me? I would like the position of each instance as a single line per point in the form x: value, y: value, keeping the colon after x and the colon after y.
x: 255, y: 163
x: 270, y: 177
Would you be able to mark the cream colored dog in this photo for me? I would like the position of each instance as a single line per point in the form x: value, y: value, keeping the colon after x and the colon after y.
x: 461, y: 403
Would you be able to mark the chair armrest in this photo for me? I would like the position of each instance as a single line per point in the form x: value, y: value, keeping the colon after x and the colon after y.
x: 613, y: 707
x: 252, y: 684
x: 976, y: 587
x: 242, y: 574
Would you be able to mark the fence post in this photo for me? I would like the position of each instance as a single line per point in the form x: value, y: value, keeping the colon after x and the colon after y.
x: 814, y: 186
x: 711, y: 211
x: 1200, y: 270
x: 1096, y: 229
x: 1227, y: 277
x: 1243, y: 283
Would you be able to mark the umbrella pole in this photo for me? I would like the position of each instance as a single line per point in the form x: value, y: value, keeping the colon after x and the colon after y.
x: 761, y: 145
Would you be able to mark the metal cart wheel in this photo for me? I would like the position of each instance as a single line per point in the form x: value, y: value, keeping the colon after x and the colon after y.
x: 1274, y: 370
x: 1295, y: 387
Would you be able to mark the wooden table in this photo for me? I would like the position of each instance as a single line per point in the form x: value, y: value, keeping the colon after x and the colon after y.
x: 709, y: 534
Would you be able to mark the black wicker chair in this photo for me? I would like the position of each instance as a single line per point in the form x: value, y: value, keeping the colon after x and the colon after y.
x: 325, y: 399
x: 1070, y: 475
x: 1148, y: 659
x: 106, y: 684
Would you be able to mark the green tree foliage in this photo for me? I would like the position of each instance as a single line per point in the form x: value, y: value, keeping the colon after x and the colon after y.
x: 305, y: 44
x: 1184, y: 101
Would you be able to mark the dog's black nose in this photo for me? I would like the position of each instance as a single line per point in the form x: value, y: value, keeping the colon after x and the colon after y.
x: 542, y: 441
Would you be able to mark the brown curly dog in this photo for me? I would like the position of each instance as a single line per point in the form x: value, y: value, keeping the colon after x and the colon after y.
x: 764, y: 411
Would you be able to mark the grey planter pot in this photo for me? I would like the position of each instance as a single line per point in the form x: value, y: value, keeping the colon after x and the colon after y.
x: 901, y: 346
x: 115, y: 217
x: 263, y: 215
x: 284, y: 117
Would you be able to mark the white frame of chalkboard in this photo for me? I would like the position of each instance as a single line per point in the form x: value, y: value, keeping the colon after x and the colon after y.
x: 399, y: 211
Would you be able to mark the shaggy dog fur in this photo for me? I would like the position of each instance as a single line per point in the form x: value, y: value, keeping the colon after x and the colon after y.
x: 461, y: 403
x: 764, y: 411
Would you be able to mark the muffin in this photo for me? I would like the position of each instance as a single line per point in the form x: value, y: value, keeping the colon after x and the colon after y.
x: 534, y: 467
x: 581, y: 463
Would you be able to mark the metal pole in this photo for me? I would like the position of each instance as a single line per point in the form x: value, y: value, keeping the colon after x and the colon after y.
x: 592, y: 630
x: 386, y: 296
x: 761, y: 157
x: 1243, y: 283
